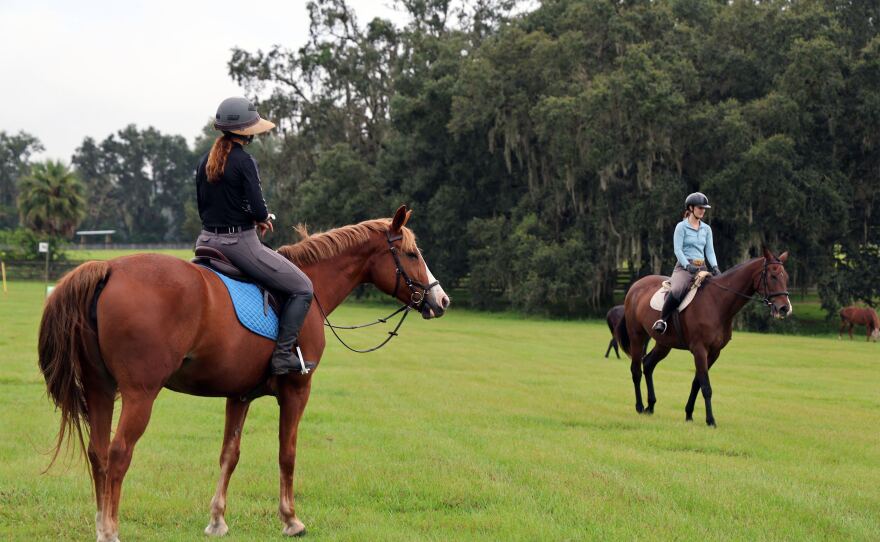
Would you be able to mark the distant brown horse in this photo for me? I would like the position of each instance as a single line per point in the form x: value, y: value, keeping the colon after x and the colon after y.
x: 705, y: 327
x: 136, y: 324
x: 852, y: 316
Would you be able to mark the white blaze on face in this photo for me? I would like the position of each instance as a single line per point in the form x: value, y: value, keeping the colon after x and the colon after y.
x: 436, y: 294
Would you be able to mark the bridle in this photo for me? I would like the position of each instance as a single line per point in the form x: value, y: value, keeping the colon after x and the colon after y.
x: 418, y: 295
x: 768, y: 296
x: 418, y: 291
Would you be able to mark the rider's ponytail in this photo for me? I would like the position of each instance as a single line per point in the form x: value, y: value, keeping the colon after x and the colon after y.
x: 217, y: 158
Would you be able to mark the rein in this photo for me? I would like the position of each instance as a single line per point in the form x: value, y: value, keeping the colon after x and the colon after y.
x: 768, y: 296
x: 391, y: 334
x: 418, y: 294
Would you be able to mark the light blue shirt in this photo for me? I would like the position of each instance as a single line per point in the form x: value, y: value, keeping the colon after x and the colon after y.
x: 693, y: 244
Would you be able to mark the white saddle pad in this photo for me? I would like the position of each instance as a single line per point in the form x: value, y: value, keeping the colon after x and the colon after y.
x: 660, y: 295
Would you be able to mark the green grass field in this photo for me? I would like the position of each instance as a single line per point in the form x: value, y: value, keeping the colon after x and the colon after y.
x: 106, y: 254
x: 484, y: 427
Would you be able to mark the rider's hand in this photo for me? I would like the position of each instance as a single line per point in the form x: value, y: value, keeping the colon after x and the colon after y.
x: 716, y: 271
x: 264, y: 227
x: 692, y: 269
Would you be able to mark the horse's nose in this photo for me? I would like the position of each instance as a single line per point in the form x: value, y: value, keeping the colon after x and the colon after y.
x: 783, y: 310
x: 444, y: 302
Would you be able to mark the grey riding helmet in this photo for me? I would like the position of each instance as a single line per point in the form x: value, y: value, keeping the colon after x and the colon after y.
x: 238, y: 115
x: 697, y: 199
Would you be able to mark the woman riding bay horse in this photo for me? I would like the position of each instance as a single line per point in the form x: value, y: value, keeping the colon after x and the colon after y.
x: 706, y: 326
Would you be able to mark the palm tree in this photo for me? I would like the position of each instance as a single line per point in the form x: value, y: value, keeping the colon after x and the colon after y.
x: 51, y: 199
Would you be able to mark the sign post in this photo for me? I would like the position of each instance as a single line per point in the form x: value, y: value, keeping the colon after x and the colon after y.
x: 44, y: 248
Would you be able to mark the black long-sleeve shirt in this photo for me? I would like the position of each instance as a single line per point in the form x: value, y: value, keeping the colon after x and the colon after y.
x: 237, y: 198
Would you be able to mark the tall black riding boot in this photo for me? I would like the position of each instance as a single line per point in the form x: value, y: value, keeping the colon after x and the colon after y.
x: 290, y: 321
x: 669, y: 306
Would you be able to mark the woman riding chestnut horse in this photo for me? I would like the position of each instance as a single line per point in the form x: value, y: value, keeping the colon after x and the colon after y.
x: 707, y: 324
x: 137, y: 324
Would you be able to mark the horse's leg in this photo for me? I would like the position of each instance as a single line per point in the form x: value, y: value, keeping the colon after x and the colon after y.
x: 702, y: 369
x: 100, y: 407
x: 851, y: 326
x: 638, y: 352
x: 236, y: 412
x: 136, y: 408
x: 292, y: 397
x: 692, y: 398
x: 650, y: 363
x: 610, y: 345
x: 695, y: 387
x: 840, y: 331
x: 616, y: 351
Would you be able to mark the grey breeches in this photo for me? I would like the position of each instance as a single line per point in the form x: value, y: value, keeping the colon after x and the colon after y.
x: 266, y: 266
x: 681, y: 281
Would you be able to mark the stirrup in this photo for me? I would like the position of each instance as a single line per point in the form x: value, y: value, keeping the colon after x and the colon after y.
x: 660, y: 326
x: 303, y: 368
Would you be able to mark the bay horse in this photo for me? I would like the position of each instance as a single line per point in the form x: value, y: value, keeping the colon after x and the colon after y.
x: 612, y: 318
x: 704, y: 328
x: 851, y: 316
x: 136, y: 324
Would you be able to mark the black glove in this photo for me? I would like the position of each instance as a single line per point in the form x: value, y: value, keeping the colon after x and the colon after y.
x: 716, y: 271
x: 692, y: 269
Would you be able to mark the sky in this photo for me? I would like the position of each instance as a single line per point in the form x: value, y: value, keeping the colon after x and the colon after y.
x: 72, y: 69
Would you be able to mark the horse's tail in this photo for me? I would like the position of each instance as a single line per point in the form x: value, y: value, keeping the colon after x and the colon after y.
x: 63, y: 346
x: 621, y: 334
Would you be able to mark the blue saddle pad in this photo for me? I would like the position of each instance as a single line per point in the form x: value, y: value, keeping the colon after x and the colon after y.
x: 248, y: 302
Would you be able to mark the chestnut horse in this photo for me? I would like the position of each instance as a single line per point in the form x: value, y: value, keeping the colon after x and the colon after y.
x: 136, y: 324
x: 851, y: 316
x: 704, y: 328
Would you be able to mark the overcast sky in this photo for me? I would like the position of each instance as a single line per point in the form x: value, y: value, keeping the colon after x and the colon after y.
x: 72, y: 69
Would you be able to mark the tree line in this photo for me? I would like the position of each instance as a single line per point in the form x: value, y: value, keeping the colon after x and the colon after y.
x: 545, y: 150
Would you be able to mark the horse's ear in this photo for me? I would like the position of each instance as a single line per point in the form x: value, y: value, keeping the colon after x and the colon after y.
x: 767, y: 254
x: 783, y: 256
x: 400, y: 218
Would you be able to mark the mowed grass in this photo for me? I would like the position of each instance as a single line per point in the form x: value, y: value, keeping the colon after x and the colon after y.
x: 107, y: 254
x: 484, y: 427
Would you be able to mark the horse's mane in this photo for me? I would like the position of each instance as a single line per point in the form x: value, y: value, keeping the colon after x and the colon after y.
x: 736, y: 267
x: 313, y: 248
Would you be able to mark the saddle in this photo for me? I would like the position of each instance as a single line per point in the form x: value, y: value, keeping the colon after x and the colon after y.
x: 660, y: 295
x: 216, y: 261
x: 245, y: 293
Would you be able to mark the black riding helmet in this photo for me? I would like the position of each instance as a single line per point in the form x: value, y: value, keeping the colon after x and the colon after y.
x: 239, y: 116
x: 697, y: 199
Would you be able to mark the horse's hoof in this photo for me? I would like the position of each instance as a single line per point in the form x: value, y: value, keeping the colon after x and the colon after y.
x: 294, y: 528
x: 640, y: 409
x: 688, y: 418
x: 711, y: 423
x: 218, y: 528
